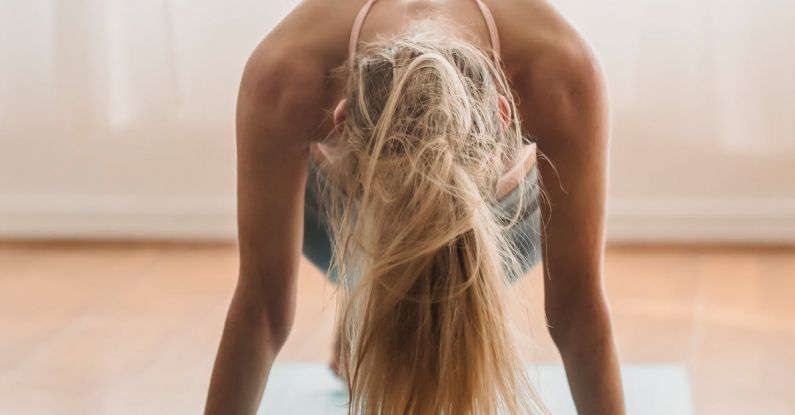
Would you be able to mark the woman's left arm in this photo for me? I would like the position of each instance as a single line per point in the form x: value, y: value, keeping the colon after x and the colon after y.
x: 569, y: 116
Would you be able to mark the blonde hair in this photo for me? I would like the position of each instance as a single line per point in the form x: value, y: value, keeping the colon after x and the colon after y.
x: 418, y: 240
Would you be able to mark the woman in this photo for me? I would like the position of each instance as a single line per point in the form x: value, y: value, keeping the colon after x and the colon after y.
x: 410, y: 177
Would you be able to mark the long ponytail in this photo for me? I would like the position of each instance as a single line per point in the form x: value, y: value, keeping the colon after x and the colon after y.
x: 419, y: 246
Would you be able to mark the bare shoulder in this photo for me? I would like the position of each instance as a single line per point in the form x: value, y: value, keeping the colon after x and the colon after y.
x: 554, y: 70
x: 317, y: 27
x: 288, y: 72
x: 535, y: 35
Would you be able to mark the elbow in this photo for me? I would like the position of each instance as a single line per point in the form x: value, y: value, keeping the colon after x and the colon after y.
x: 578, y: 320
x: 266, y: 310
x: 280, y: 321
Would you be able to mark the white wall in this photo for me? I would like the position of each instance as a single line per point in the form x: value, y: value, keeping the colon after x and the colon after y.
x: 116, y: 118
x: 703, y: 99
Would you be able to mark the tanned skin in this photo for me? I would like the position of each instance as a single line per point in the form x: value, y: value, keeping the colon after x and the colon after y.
x: 286, y: 95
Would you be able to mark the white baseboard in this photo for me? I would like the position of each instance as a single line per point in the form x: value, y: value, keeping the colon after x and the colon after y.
x: 191, y: 218
x: 690, y: 220
x: 117, y: 217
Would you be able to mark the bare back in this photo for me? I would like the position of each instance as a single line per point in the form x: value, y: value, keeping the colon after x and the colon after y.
x: 533, y: 38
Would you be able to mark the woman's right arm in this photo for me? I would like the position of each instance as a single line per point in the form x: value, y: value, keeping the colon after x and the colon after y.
x: 277, y: 104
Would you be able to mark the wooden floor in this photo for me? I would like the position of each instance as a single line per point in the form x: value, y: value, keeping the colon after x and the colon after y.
x: 120, y: 328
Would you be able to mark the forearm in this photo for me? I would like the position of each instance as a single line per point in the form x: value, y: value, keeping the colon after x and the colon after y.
x: 589, y: 356
x: 245, y: 356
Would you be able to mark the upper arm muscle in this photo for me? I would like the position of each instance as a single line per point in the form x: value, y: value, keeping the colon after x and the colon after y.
x: 571, y: 124
x: 272, y: 157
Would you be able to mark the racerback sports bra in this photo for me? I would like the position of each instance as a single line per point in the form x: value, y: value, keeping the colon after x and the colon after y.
x: 484, y: 10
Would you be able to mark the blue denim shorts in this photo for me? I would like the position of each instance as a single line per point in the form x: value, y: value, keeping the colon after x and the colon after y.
x: 525, y: 234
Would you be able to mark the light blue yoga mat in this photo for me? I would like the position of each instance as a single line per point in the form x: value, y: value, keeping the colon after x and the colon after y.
x: 311, y: 388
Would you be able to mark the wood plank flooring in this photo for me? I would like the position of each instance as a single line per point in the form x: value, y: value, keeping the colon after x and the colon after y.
x: 117, y: 328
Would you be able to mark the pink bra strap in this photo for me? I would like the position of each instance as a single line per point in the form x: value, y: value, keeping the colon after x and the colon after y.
x: 492, y: 25
x: 357, y: 29
x: 359, y: 22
